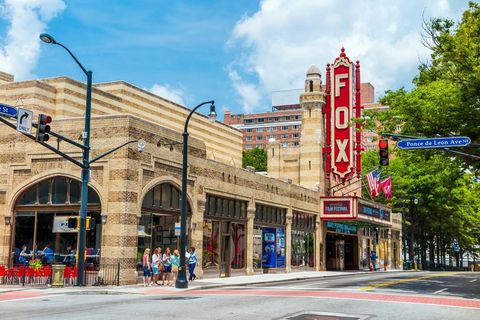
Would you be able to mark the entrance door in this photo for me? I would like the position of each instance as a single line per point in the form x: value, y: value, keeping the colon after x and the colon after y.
x: 226, y: 245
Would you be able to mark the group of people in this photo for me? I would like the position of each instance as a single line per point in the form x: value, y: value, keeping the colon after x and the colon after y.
x: 165, y: 267
x: 47, y: 255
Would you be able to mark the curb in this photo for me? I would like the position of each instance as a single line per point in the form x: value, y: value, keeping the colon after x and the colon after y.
x: 220, y: 285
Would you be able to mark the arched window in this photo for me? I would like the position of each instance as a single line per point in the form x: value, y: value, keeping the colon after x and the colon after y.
x: 311, y: 85
x: 41, y: 215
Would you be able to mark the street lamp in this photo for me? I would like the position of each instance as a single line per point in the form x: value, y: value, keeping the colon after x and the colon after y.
x: 85, y: 161
x: 182, y: 282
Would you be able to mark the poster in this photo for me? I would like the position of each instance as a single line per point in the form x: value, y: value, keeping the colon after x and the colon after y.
x: 269, y: 252
x: 280, y: 248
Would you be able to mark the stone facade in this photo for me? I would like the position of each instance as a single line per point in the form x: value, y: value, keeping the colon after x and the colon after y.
x: 123, y: 178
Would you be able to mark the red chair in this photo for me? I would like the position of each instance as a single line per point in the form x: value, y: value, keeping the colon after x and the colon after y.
x: 47, y: 274
x: 67, y: 274
x: 2, y: 273
x: 74, y: 275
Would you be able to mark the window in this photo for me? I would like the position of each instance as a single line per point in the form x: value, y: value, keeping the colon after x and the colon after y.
x: 276, y: 118
x: 285, y: 144
x: 287, y: 118
x: 295, y: 127
x: 248, y: 138
x: 259, y: 129
x: 297, y: 117
x: 269, y: 129
x: 248, y: 146
x: 248, y: 120
x: 249, y: 130
x: 284, y: 136
x: 259, y: 146
x: 295, y: 135
x: 259, y: 138
x: 274, y: 128
x: 260, y: 120
x: 296, y: 143
x: 285, y: 128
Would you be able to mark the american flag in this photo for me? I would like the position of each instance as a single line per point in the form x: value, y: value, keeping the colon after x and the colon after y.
x: 373, y: 179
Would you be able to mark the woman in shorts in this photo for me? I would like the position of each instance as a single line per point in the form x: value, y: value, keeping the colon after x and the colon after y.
x: 156, y: 259
x: 146, y: 267
x: 167, y: 267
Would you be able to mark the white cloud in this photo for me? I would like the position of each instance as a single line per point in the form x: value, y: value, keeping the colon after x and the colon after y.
x: 278, y: 43
x: 20, y: 48
x: 250, y: 96
x: 166, y: 91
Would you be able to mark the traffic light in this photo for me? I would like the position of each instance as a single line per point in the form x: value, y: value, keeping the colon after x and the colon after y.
x: 43, y: 127
x: 73, y: 223
x: 383, y: 151
x: 90, y: 223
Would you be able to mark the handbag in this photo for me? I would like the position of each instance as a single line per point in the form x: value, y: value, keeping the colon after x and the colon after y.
x: 161, y: 267
x: 174, y: 268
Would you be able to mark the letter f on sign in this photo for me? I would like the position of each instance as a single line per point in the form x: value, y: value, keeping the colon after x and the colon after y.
x: 339, y: 84
x: 342, y: 146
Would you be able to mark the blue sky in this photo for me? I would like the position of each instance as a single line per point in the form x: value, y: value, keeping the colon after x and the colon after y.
x: 235, y: 52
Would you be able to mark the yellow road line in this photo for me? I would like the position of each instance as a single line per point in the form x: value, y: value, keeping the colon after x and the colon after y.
x: 390, y: 283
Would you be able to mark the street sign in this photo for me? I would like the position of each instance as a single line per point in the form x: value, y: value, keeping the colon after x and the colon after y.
x: 428, y: 143
x: 177, y: 229
x: 7, y: 110
x: 24, y: 120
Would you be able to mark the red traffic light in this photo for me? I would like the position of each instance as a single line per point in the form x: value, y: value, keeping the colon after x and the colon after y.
x: 383, y: 144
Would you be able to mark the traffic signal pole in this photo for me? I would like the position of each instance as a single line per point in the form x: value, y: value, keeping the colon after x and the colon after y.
x: 85, y: 179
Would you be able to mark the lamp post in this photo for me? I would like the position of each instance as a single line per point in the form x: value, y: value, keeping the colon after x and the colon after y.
x: 182, y: 281
x: 404, y: 235
x: 85, y: 161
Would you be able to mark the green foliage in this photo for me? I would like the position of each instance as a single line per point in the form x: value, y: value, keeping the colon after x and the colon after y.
x: 445, y: 101
x: 256, y: 158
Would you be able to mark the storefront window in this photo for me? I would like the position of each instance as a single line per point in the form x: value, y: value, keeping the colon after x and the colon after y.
x: 210, y: 244
x: 37, y: 229
x: 302, y: 249
x: 238, y: 237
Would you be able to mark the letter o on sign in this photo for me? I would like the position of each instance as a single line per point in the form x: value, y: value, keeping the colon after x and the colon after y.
x: 338, y: 112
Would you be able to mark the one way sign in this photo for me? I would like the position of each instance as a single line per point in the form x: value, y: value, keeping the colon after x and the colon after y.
x: 24, y: 120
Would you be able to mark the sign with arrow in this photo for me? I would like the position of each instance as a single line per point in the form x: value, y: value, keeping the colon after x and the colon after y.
x: 7, y: 110
x: 24, y: 121
x: 428, y: 143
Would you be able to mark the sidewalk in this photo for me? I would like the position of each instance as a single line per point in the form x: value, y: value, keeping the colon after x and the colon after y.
x: 197, y: 284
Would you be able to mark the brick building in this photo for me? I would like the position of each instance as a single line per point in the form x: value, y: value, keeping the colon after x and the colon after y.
x: 284, y: 122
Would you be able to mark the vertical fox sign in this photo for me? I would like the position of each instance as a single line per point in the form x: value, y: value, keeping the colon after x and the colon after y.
x: 343, y: 94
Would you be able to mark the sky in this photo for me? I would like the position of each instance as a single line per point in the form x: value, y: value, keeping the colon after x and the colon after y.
x: 233, y: 52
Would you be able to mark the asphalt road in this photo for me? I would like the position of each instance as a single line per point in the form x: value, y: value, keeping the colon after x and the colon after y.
x: 464, y: 285
x: 420, y: 295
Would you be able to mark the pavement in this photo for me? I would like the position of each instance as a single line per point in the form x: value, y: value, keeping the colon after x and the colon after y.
x: 200, y: 284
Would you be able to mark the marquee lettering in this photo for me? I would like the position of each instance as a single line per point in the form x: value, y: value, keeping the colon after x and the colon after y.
x: 342, y: 147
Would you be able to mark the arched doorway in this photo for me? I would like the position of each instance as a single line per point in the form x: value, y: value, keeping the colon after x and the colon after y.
x: 161, y: 208
x: 41, y: 213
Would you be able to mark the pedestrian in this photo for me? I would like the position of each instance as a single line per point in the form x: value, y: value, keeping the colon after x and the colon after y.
x: 25, y: 255
x: 156, y: 259
x: 146, y: 267
x: 175, y: 265
x: 167, y: 267
x: 192, y: 263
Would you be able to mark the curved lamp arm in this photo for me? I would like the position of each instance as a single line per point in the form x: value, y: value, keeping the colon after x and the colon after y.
x: 212, y: 110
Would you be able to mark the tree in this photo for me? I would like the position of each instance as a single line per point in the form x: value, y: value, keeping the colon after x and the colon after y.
x: 256, y: 158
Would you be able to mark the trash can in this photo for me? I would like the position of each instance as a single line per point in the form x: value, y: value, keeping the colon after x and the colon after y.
x: 57, y: 275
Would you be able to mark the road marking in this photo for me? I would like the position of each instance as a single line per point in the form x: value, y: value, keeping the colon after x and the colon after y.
x: 360, y: 296
x: 390, y: 283
x: 473, y: 280
x: 440, y: 291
